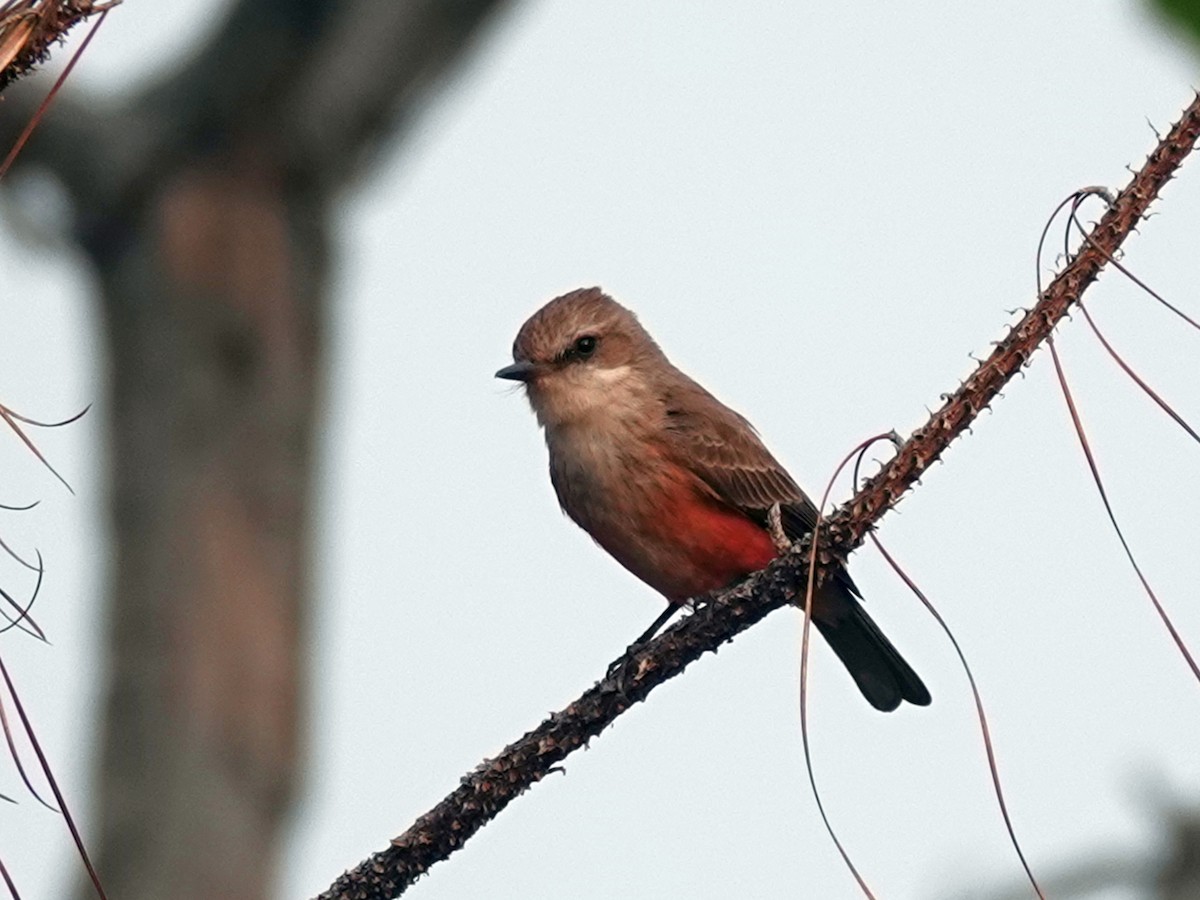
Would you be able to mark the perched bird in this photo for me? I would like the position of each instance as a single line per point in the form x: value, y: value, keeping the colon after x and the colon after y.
x: 673, y: 483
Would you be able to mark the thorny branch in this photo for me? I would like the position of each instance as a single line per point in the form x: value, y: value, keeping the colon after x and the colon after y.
x: 483, y: 793
x: 28, y: 28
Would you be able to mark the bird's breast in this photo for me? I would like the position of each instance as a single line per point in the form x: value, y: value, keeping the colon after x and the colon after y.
x: 652, y: 513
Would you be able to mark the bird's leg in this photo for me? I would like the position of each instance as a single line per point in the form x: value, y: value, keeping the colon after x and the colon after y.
x: 646, y: 636
x: 653, y: 629
x: 775, y: 529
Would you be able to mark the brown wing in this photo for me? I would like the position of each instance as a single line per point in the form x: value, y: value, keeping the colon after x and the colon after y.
x: 723, y: 449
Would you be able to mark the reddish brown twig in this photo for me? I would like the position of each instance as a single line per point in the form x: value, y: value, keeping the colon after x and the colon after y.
x: 483, y: 793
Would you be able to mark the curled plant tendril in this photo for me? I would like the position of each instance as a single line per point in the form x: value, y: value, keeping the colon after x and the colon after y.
x: 1137, y: 379
x: 8, y: 882
x: 1116, y: 264
x: 24, y: 621
x: 993, y: 767
x: 1074, y: 201
x: 44, y: 763
x: 1108, y: 347
x: 1075, y: 198
x: 805, y: 638
x: 1112, y: 516
x: 28, y: 421
x: 15, y: 753
x: 14, y: 421
x: 13, y: 553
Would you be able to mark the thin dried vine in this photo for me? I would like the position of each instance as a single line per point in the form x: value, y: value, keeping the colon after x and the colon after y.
x: 483, y: 793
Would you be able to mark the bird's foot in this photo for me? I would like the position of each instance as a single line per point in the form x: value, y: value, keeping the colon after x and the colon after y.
x: 775, y: 529
x: 617, y: 664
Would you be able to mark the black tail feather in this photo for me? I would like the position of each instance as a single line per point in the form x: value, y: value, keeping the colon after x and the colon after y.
x: 877, y: 667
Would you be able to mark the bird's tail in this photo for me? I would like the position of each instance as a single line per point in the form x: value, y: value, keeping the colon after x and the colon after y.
x: 877, y: 667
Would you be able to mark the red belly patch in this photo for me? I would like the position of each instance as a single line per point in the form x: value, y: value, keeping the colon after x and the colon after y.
x: 718, y: 545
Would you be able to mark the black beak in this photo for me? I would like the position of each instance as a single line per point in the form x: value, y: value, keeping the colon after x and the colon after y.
x: 518, y: 371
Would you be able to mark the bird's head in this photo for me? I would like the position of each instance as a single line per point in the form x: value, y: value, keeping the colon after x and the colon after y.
x: 580, y: 354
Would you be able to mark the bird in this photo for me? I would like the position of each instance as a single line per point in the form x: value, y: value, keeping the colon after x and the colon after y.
x: 673, y: 484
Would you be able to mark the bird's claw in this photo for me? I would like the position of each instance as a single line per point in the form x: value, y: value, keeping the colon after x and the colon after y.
x: 619, y: 668
x: 775, y: 529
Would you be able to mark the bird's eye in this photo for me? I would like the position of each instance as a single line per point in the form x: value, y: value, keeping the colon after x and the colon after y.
x: 585, y: 346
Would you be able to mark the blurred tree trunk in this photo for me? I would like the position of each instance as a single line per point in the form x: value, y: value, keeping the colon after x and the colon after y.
x: 1179, y: 877
x: 203, y: 203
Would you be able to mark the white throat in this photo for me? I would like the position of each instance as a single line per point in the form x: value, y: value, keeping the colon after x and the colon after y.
x: 588, y: 397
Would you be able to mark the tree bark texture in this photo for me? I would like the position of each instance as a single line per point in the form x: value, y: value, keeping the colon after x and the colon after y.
x: 203, y: 203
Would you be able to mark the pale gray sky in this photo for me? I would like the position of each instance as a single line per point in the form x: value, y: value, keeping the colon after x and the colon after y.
x: 819, y: 210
